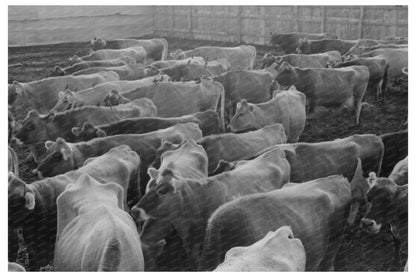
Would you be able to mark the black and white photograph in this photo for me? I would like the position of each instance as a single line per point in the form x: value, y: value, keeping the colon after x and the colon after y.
x: 169, y: 138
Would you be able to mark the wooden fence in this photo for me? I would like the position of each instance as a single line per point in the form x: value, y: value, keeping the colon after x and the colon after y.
x: 253, y: 24
x: 32, y: 25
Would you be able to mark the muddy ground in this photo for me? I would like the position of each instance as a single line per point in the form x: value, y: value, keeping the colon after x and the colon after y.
x: 359, y: 251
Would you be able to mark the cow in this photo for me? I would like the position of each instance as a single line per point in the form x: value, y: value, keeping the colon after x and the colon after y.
x: 32, y: 207
x: 95, y: 96
x: 319, y: 60
x: 328, y: 87
x: 156, y: 48
x: 42, y: 95
x: 174, y: 99
x: 396, y: 59
x: 188, y: 203
x: 129, y: 72
x: 208, y: 122
x: 192, y: 71
x: 36, y: 128
x: 59, y: 71
x: 240, y: 57
x: 255, y: 86
x: 13, y: 162
x: 286, y: 107
x: 400, y: 173
x: 277, y: 251
x: 170, y: 63
x: 289, y: 41
x: 387, y: 206
x: 15, y: 267
x: 378, y: 69
x: 137, y: 53
x: 94, y: 233
x: 395, y: 150
x: 63, y: 156
x: 361, y: 49
x: 232, y: 147
x: 307, y: 46
x: 317, y: 212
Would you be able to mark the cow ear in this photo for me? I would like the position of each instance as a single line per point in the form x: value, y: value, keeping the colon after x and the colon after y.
x: 157, y: 248
x: 33, y: 113
x: 153, y: 172
x: 49, y: 144
x: 30, y: 200
x: 371, y: 179
x: 100, y: 133
x: 361, y: 47
x: 76, y: 131
x: 19, y: 89
x: 292, y: 87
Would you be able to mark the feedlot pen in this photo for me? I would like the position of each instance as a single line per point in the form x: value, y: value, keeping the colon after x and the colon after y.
x: 359, y: 251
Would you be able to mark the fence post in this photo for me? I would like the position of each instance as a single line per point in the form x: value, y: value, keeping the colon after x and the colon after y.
x: 360, y: 23
x: 323, y: 19
x: 296, y: 17
x: 191, y: 31
x: 240, y: 11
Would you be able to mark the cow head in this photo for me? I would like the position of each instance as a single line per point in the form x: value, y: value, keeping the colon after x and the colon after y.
x: 74, y: 59
x: 35, y: 128
x: 57, y: 71
x: 277, y: 251
x: 21, y: 201
x: 383, y: 200
x: 163, y: 199
x: 223, y: 166
x: 267, y: 60
x: 178, y: 54
x: 304, y: 46
x: 98, y: 44
x: 151, y: 71
x: 245, y: 118
x: 59, y: 158
x: 286, y: 74
x: 87, y: 132
x: 16, y: 90
x: 113, y: 98
x: 66, y: 100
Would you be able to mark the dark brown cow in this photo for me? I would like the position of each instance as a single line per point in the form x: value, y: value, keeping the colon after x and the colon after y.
x: 302, y: 60
x: 288, y: 42
x: 387, y: 206
x: 156, y: 48
x: 32, y: 207
x: 208, y: 122
x: 36, y: 128
x: 328, y: 87
x: 58, y: 71
x: 317, y: 212
x: 188, y: 203
x: 307, y: 46
x: 378, y: 69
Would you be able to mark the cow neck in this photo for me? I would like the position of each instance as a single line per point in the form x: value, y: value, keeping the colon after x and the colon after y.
x: 192, y: 221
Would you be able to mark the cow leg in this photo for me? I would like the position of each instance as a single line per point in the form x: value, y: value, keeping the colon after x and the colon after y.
x: 397, y: 243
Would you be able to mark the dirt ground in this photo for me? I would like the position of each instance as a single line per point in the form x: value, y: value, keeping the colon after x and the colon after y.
x: 359, y: 251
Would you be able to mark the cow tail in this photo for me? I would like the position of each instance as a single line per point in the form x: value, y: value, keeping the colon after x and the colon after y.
x: 110, y: 260
x: 385, y: 81
x: 253, y: 58
x: 222, y: 106
x: 165, y: 49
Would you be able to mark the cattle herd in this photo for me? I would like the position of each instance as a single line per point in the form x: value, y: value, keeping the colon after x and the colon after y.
x: 145, y: 158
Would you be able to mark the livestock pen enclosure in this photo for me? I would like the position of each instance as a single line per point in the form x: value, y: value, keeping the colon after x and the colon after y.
x: 186, y: 28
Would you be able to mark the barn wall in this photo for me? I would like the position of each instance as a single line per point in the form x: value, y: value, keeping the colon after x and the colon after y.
x: 32, y: 25
x: 253, y: 24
